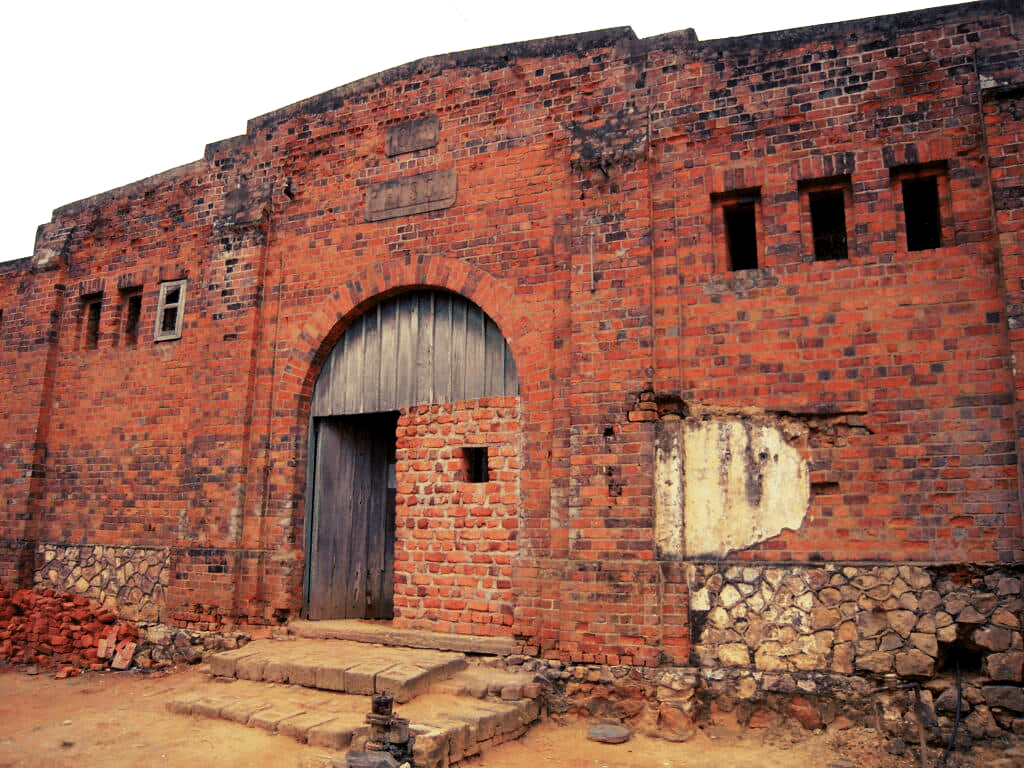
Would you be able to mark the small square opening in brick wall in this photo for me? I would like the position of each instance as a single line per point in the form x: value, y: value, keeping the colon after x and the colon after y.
x: 828, y: 223
x: 475, y: 467
x: 132, y: 312
x: 737, y: 214
x: 925, y: 197
x: 921, y: 213
x: 92, y: 306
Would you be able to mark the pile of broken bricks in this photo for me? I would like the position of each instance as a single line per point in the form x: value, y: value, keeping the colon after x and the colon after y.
x: 68, y: 633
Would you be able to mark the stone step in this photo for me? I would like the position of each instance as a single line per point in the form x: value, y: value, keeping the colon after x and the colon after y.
x: 383, y: 633
x: 448, y: 727
x: 339, y: 665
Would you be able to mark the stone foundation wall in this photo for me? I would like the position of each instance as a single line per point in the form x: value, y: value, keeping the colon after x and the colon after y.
x: 866, y: 620
x: 130, y: 581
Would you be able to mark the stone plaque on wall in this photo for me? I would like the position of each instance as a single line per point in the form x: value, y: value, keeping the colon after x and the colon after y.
x: 411, y: 135
x: 430, y: 191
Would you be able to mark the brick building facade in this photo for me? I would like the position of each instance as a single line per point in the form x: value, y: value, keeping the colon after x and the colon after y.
x: 761, y: 299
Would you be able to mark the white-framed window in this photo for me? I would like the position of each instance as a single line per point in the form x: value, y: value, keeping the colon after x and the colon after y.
x: 170, y: 311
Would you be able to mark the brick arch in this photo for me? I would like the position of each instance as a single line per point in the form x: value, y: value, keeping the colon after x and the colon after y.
x: 316, y: 339
x: 310, y: 344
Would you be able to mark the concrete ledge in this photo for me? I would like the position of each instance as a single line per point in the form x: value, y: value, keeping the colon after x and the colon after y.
x: 384, y: 634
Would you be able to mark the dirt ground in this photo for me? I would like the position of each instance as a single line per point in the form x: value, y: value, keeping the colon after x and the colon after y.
x: 118, y: 720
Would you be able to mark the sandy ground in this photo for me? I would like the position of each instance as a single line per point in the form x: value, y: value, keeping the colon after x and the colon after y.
x: 117, y: 720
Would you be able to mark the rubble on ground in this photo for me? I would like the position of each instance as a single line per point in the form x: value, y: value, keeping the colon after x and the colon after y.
x: 44, y: 629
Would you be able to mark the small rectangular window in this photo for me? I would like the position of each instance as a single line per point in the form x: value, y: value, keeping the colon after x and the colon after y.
x: 923, y: 191
x: 825, y: 202
x: 921, y: 213
x: 132, y: 310
x: 476, y: 469
x: 737, y: 214
x: 170, y: 311
x: 92, y: 308
x: 828, y: 223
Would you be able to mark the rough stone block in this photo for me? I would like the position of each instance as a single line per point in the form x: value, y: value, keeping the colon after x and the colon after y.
x: 301, y: 673
x: 330, y: 678
x: 333, y: 734
x: 1006, y: 696
x: 268, y: 719
x: 1006, y: 667
x: 403, y: 681
x: 276, y: 671
x: 361, y: 679
x: 224, y: 664
x: 208, y: 707
x: 298, y: 727
x: 242, y: 711
x: 250, y: 667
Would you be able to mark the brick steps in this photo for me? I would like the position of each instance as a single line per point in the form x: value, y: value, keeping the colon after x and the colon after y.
x: 382, y: 633
x: 318, y: 692
x: 341, y: 666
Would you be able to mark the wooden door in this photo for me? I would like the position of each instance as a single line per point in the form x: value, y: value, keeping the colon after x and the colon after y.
x: 353, y: 518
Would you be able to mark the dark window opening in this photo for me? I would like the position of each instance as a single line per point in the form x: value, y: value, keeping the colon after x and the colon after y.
x: 954, y: 655
x: 476, y: 464
x: 828, y: 224
x: 921, y: 213
x: 741, y: 234
x: 132, y: 314
x: 92, y: 306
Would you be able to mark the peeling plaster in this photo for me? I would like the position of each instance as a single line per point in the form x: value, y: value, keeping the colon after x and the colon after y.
x: 744, y: 485
x: 726, y: 483
x: 668, y: 490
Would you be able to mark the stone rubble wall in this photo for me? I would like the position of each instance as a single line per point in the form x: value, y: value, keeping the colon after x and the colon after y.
x: 131, y: 581
x: 858, y: 620
x: 831, y: 645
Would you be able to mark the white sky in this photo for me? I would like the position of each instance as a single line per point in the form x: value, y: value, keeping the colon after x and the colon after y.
x: 101, y: 94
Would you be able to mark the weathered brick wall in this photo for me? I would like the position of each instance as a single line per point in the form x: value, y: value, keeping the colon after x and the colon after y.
x: 889, y: 333
x: 586, y: 221
x: 456, y: 539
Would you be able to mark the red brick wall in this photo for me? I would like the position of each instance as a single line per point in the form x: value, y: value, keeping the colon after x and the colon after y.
x: 585, y: 223
x: 456, y: 540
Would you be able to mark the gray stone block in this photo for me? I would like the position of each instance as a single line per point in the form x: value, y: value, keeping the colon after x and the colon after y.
x: 330, y: 678
x: 268, y: 719
x: 333, y: 734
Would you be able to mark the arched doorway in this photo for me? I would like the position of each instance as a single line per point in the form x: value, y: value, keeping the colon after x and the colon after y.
x: 416, y: 348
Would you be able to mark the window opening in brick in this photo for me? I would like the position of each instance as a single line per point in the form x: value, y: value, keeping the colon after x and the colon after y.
x: 921, y: 213
x: 828, y: 224
x: 170, y: 311
x: 741, y: 233
x: 475, y: 457
x: 132, y: 314
x: 92, y: 307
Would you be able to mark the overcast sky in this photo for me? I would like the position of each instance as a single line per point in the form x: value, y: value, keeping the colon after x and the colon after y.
x: 101, y: 94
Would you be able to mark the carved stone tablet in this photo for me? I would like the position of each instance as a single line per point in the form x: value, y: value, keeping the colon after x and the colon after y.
x: 411, y: 135
x: 423, y: 192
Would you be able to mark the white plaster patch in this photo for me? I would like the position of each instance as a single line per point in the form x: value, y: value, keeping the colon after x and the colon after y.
x: 668, y: 492
x: 743, y: 484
